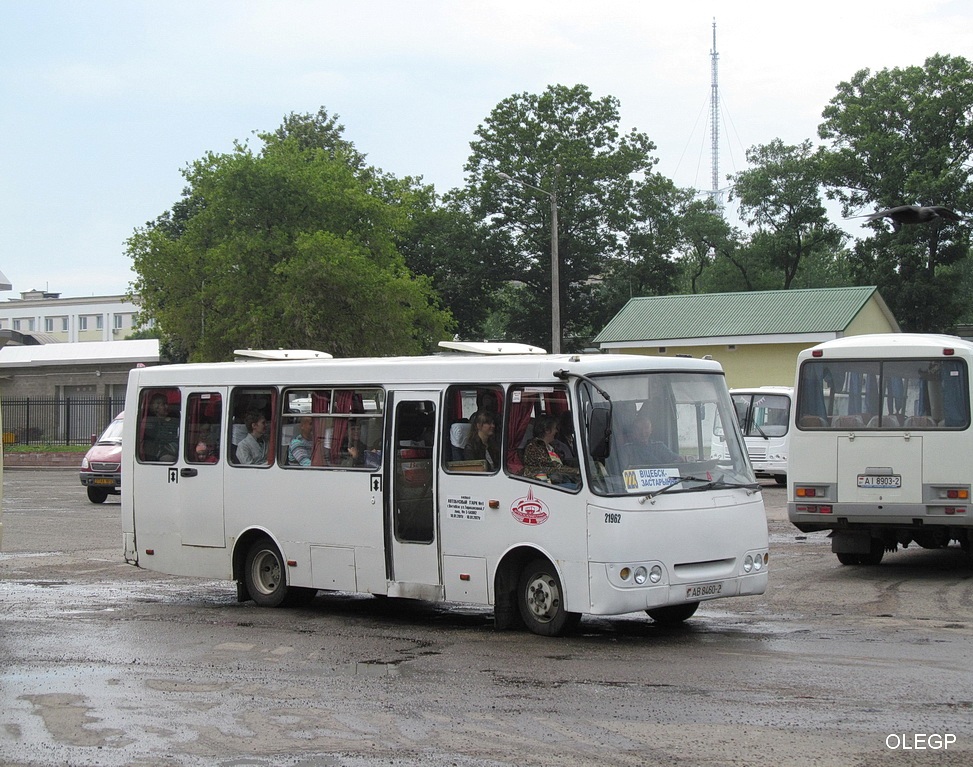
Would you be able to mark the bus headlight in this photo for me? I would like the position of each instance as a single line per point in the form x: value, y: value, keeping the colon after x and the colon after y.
x: 747, y: 564
x: 640, y: 575
x: 655, y: 574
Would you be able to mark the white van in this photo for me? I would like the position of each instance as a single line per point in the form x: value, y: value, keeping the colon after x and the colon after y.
x: 764, y: 414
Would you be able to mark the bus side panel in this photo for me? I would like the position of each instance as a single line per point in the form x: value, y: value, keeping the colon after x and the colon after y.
x: 307, y: 507
x: 482, y: 516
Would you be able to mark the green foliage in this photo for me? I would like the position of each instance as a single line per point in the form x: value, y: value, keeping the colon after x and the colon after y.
x: 463, y: 258
x: 898, y: 137
x: 563, y: 142
x: 293, y: 246
x: 780, y: 198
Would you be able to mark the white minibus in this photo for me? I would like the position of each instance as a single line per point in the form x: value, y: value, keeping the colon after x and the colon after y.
x: 524, y: 481
x: 764, y: 413
x: 881, y: 444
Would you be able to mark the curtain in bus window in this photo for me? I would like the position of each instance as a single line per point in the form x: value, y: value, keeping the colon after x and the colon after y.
x: 517, y: 421
x: 954, y: 394
x: 895, y: 390
x: 873, y: 397
x: 811, y: 391
x: 853, y: 383
x: 922, y: 404
x: 320, y: 403
x: 344, y: 402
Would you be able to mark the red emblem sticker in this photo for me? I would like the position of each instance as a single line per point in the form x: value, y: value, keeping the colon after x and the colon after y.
x: 530, y: 510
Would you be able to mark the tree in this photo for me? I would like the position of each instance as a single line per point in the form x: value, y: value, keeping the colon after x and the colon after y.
x: 905, y: 136
x: 292, y: 246
x: 567, y: 143
x: 462, y: 256
x: 780, y: 199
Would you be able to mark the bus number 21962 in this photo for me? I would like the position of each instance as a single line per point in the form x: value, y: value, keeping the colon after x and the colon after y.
x: 613, y: 518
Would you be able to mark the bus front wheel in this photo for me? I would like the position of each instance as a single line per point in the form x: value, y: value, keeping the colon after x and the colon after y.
x: 541, y: 600
x: 264, y: 574
x: 672, y: 615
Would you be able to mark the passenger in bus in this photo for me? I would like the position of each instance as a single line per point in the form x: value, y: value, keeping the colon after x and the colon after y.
x: 302, y: 446
x: 642, y: 450
x: 353, y: 450
x: 486, y: 402
x: 252, y: 449
x: 482, y: 445
x: 207, y: 444
x: 161, y: 438
x: 542, y: 461
x: 564, y: 441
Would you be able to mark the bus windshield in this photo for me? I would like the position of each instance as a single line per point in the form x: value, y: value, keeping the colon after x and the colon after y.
x: 660, y: 435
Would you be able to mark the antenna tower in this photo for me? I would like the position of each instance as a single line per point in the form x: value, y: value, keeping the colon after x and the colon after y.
x: 715, y: 120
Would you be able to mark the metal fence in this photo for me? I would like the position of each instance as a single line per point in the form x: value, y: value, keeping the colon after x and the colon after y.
x: 57, y: 421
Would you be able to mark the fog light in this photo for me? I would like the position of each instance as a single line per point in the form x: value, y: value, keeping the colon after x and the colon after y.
x: 640, y: 575
x: 747, y: 564
x: 655, y: 574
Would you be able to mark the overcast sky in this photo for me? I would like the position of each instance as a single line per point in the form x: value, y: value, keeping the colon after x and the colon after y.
x: 103, y: 102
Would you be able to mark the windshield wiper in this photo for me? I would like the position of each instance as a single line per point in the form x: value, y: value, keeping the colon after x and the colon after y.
x: 707, y: 484
x: 679, y: 481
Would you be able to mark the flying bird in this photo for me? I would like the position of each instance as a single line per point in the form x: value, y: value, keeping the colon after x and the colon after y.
x: 913, y: 214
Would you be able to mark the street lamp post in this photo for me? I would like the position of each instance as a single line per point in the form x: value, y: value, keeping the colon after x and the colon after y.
x: 555, y: 278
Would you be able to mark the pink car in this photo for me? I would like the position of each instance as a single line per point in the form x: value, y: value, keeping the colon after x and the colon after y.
x: 101, y: 468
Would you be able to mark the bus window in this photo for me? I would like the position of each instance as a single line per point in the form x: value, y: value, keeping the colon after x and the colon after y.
x: 252, y: 408
x: 413, y: 471
x: 892, y: 394
x: 158, y: 425
x: 203, y: 416
x: 468, y: 414
x: 332, y: 427
x: 528, y: 408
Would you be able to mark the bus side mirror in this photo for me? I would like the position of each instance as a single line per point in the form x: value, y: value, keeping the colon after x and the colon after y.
x: 599, y: 433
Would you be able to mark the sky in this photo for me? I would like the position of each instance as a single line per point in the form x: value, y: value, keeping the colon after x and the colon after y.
x: 103, y: 103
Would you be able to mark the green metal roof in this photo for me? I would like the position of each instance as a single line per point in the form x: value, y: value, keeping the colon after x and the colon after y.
x: 705, y: 315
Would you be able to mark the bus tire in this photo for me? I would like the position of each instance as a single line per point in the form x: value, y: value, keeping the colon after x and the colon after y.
x: 672, y: 615
x: 541, y: 600
x: 97, y: 494
x: 847, y: 558
x: 264, y: 574
x: 874, y: 556
x: 781, y: 479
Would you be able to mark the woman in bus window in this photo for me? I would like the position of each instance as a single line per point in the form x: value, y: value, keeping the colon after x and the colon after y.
x: 482, y: 445
x: 542, y: 461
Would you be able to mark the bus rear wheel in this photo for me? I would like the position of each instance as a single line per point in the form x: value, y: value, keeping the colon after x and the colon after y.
x: 671, y: 615
x: 264, y: 574
x: 541, y: 600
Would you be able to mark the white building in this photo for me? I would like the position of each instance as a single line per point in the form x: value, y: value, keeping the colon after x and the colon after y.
x: 69, y: 320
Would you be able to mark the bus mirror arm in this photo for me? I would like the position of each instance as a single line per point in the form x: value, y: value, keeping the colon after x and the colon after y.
x: 600, y: 424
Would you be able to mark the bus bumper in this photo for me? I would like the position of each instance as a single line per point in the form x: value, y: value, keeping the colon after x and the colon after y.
x: 613, y: 594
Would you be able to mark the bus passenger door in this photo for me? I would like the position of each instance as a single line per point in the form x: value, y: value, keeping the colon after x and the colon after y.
x: 411, y: 516
x: 200, y: 468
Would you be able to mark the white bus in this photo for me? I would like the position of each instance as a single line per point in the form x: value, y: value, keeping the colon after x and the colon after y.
x: 393, y: 498
x: 764, y: 413
x: 881, y: 444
